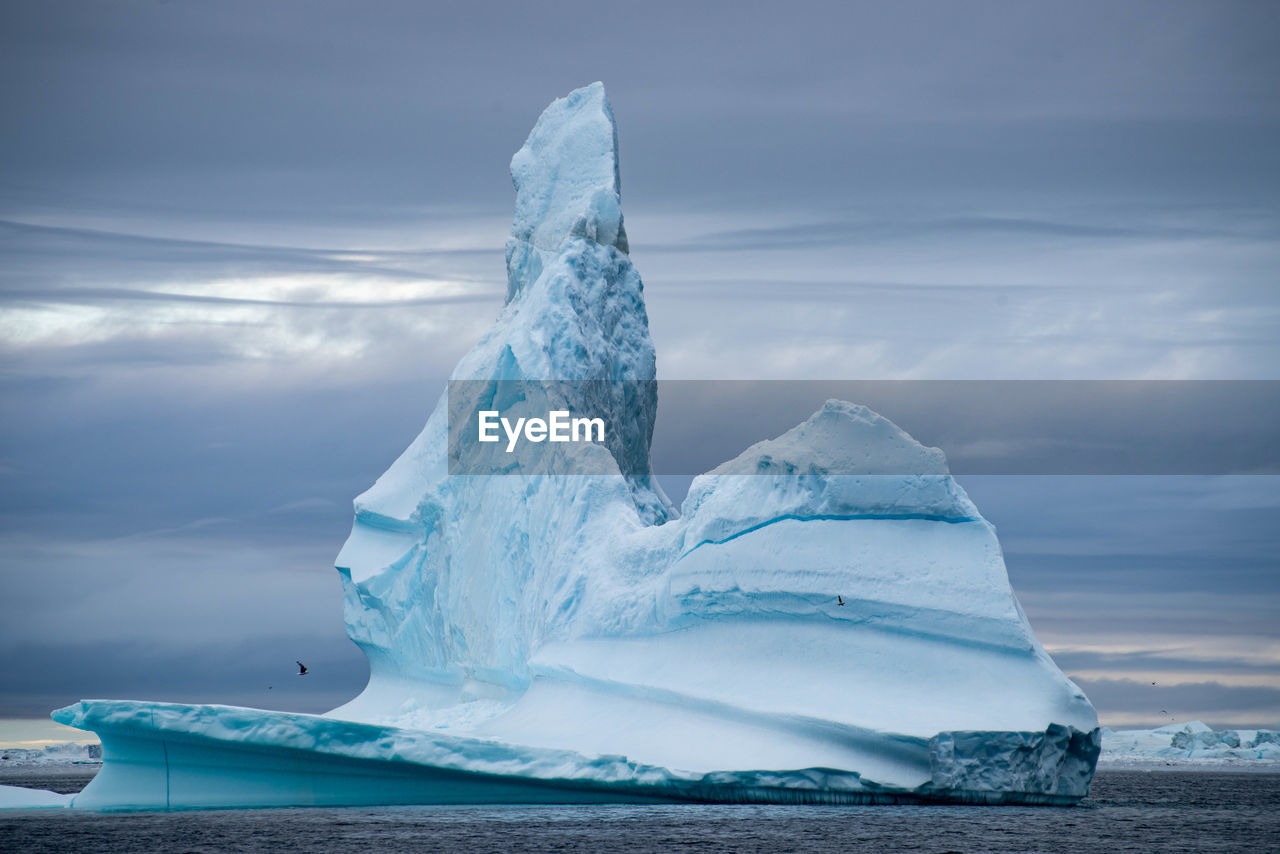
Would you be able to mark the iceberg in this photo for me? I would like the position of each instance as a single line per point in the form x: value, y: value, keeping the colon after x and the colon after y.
x: 810, y: 626
x: 62, y: 753
x: 1189, y: 745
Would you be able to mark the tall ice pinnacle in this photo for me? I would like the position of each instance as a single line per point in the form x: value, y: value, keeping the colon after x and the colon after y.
x: 567, y: 184
x: 446, y: 590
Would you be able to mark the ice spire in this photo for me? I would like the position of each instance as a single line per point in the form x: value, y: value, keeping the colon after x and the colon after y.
x: 567, y: 184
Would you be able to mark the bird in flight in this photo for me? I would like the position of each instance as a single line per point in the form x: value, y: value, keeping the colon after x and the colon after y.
x: 839, y: 599
x: 302, y: 669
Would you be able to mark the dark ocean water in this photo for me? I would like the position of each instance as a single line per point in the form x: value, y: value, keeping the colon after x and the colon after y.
x: 1164, y: 811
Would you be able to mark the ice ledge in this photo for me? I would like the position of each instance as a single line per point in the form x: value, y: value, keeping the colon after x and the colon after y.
x: 21, y: 798
x: 172, y: 756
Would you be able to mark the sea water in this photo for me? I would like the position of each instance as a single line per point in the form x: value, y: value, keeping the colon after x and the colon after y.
x: 1167, y: 811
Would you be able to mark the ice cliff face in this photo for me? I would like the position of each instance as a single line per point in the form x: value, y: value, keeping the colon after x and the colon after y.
x: 561, y: 612
x: 812, y: 626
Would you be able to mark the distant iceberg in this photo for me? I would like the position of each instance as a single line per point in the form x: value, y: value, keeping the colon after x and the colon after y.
x: 811, y: 626
x: 60, y: 753
x: 1191, y: 744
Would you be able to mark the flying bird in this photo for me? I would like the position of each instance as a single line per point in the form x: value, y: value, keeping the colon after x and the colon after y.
x: 302, y: 669
x: 839, y: 600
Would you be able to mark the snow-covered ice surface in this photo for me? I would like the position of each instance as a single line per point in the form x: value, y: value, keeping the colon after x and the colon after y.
x: 21, y: 798
x: 535, y: 634
x: 1189, y: 745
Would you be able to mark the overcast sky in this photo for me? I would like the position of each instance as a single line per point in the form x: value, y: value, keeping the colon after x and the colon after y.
x: 243, y: 244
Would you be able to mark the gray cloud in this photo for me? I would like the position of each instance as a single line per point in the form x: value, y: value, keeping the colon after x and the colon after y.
x: 61, y: 256
x: 1159, y: 662
x: 992, y: 427
x: 94, y: 296
x: 880, y: 229
x: 1207, y: 701
x: 327, y: 107
x: 99, y: 461
x: 259, y: 672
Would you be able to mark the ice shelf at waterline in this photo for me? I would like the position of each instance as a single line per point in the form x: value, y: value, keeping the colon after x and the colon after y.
x: 538, y: 636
